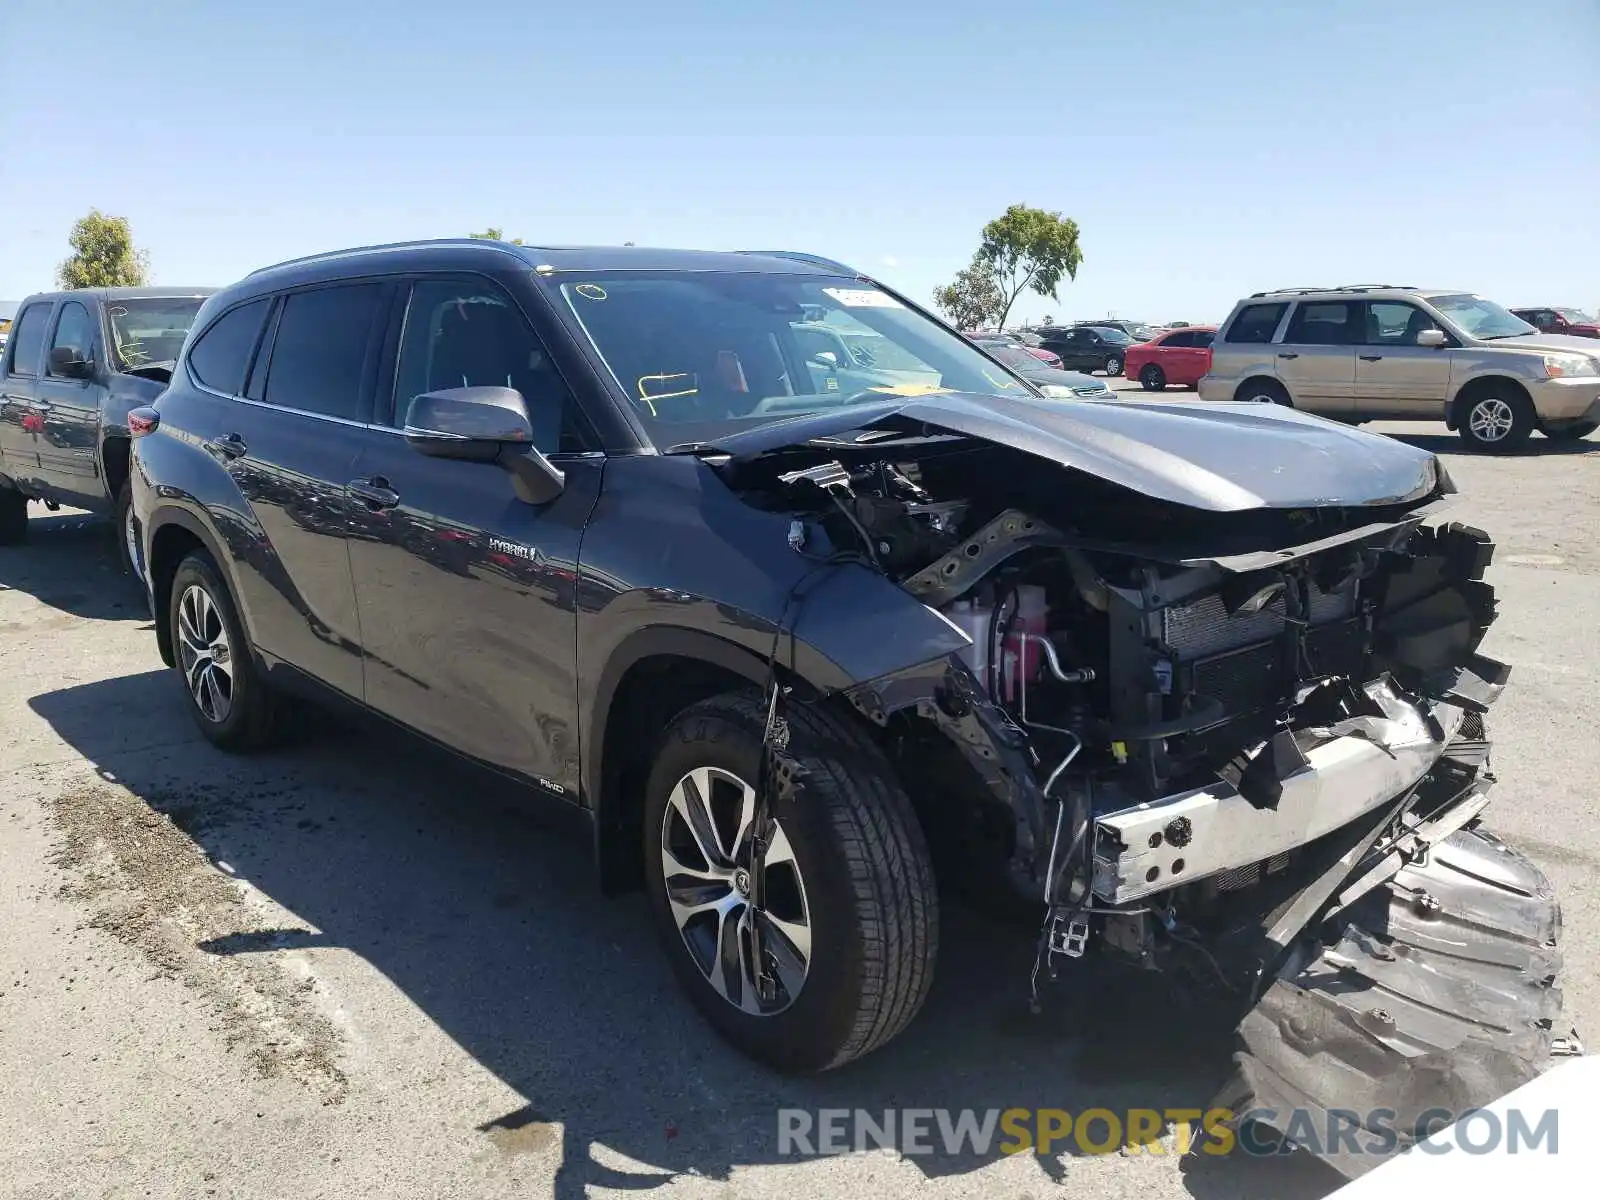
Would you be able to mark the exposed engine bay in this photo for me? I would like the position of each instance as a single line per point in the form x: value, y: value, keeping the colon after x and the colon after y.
x: 1198, y: 741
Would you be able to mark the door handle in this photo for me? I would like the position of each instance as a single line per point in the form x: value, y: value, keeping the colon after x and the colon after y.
x: 229, y: 445
x: 375, y: 493
x: 1290, y: 354
x: 1371, y: 357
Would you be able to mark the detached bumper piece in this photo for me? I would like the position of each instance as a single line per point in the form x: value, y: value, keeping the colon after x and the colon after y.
x: 1435, y: 991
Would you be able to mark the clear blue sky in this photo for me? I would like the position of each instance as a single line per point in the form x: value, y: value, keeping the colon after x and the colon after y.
x: 1206, y: 149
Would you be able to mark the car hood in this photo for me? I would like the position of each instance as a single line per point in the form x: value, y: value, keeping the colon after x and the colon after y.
x: 1218, y: 457
x: 1544, y: 343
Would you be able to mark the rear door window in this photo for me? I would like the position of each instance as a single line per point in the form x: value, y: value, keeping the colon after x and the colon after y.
x: 218, y: 360
x: 1204, y: 339
x: 1324, y: 323
x: 323, y: 352
x: 1256, y: 323
x: 1178, y: 340
x: 27, y: 339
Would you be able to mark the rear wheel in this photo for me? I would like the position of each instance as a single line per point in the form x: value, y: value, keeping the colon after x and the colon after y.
x: 1113, y: 364
x: 1496, y: 420
x: 1153, y: 378
x: 1264, y: 391
x: 830, y: 952
x: 13, y: 517
x: 228, y: 697
x: 1572, y: 433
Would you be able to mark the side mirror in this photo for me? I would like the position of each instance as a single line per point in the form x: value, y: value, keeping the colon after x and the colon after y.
x: 484, y: 424
x: 1432, y: 338
x: 826, y: 358
x: 69, y: 362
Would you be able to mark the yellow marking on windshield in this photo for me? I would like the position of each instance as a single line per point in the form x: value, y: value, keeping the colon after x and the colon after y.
x: 910, y: 389
x: 1000, y: 383
x: 649, y: 399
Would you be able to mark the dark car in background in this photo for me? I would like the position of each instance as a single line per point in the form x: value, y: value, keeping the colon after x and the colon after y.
x: 1571, y: 321
x: 1054, y: 382
x: 75, y: 364
x: 1088, y: 347
x: 1139, y: 331
x: 1193, y: 685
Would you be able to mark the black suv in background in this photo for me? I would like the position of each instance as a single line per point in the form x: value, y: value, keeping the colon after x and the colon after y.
x: 1088, y: 347
x: 787, y: 625
x: 75, y: 364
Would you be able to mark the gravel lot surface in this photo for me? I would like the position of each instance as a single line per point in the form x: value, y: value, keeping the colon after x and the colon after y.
x: 346, y: 969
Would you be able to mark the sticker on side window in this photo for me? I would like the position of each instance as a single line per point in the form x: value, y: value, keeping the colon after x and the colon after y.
x: 862, y: 298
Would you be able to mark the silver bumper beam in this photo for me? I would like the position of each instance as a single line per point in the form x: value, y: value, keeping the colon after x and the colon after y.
x: 1365, y: 763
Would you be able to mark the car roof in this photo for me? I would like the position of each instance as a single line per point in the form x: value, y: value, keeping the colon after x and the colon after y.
x: 484, y: 254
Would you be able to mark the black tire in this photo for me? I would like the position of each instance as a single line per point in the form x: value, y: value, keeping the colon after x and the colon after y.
x: 13, y: 517
x: 128, y: 553
x: 1572, y: 433
x: 1503, y: 411
x: 1113, y: 365
x: 250, y: 720
x: 870, y: 908
x: 1153, y: 378
x: 1263, y: 391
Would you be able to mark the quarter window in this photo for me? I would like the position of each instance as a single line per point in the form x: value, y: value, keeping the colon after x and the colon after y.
x: 27, y: 339
x: 1256, y: 323
x: 74, y: 333
x: 319, y: 355
x: 218, y: 360
x: 1323, y: 323
x: 460, y: 334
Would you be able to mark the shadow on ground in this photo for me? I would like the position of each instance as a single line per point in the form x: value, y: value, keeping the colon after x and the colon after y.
x: 1538, y: 446
x: 69, y: 562
x: 489, y: 921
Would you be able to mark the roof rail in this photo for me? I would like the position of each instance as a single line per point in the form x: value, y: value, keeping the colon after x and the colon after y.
x: 1348, y: 287
x: 329, y: 255
x: 815, y: 260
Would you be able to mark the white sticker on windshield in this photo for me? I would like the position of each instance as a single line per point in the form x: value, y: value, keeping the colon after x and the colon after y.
x: 863, y: 298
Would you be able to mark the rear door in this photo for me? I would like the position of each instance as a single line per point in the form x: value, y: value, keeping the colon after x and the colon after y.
x: 1394, y: 376
x: 20, y: 420
x: 467, y: 594
x: 290, y: 439
x: 69, y: 406
x: 1317, y: 358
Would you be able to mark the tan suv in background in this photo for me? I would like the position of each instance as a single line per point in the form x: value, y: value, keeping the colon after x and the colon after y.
x: 1377, y: 352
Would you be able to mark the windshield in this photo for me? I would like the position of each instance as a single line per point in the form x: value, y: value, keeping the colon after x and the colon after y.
x: 1576, y: 316
x: 1481, y: 318
x: 151, y: 330
x: 701, y: 354
x: 1112, y: 334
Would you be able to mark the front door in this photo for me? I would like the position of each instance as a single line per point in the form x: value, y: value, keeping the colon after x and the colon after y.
x: 467, y: 594
x: 1395, y: 377
x: 1317, y: 359
x: 69, y: 404
x: 21, y: 422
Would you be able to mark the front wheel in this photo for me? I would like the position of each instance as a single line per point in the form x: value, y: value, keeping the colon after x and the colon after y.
x: 13, y: 517
x: 1572, y: 433
x: 1153, y: 378
x: 228, y: 696
x: 128, y: 552
x: 1113, y: 365
x: 814, y: 943
x: 1496, y: 421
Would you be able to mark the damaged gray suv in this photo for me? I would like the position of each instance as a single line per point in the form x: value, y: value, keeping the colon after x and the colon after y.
x: 1197, y: 687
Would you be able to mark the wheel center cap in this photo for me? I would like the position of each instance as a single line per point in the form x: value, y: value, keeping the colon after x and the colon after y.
x: 741, y: 882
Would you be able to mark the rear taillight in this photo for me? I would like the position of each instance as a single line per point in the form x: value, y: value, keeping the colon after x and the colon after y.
x: 142, y: 421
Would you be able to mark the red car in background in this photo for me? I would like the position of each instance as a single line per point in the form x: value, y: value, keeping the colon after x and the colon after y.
x: 1573, y: 322
x: 1176, y: 356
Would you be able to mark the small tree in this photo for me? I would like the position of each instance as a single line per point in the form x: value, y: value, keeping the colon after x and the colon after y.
x: 972, y: 298
x: 103, y: 254
x: 1029, y: 248
x: 494, y: 234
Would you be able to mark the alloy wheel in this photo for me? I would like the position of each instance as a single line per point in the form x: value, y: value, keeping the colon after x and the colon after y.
x: 205, y: 654
x: 1113, y: 365
x: 737, y: 898
x: 1491, y: 420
